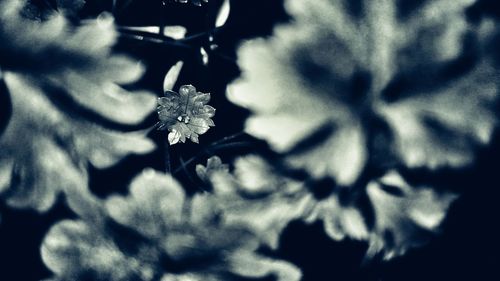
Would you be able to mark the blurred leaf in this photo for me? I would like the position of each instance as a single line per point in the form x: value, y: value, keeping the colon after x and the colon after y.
x: 423, y: 72
x: 171, y: 76
x: 388, y: 213
x: 155, y: 233
x: 255, y: 196
x: 185, y: 114
x: 223, y: 14
x: 62, y: 82
x: 405, y: 217
x: 173, y: 31
x: 5, y: 104
x: 204, y: 56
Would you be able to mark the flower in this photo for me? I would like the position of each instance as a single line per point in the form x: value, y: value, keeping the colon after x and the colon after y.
x: 404, y: 215
x: 214, y: 165
x: 62, y: 82
x: 156, y: 233
x: 185, y: 114
x: 339, y: 84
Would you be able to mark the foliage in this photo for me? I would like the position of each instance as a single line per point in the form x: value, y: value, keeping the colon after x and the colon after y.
x: 404, y: 215
x: 365, y: 121
x: 63, y: 85
x: 157, y: 233
x: 342, y: 85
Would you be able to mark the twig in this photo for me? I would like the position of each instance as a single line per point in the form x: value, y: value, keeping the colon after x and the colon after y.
x: 167, y: 41
x: 167, y: 155
x: 210, y: 151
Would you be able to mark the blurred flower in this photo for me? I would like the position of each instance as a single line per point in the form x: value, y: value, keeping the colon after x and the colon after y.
x: 214, y: 164
x: 185, y: 114
x: 345, y: 81
x: 404, y: 216
x: 156, y: 233
x: 255, y: 195
x: 62, y: 82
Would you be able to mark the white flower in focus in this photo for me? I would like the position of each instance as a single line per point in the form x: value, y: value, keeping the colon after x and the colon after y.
x: 185, y: 114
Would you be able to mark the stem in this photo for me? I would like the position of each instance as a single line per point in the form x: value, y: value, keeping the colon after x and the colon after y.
x: 201, y: 35
x: 113, y: 7
x: 162, y: 20
x: 167, y: 155
x: 227, y: 138
x: 150, y: 37
x: 167, y: 41
x: 213, y: 147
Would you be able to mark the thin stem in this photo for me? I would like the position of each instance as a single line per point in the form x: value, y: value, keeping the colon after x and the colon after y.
x: 228, y: 138
x: 167, y: 41
x: 188, y: 175
x: 213, y: 147
x: 229, y: 145
x: 113, y: 7
x: 162, y: 20
x: 167, y: 155
x: 201, y: 35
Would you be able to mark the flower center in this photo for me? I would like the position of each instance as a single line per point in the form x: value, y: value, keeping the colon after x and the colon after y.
x: 183, y: 118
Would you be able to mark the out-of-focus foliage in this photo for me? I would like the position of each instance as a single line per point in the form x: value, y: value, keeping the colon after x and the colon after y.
x: 185, y: 114
x: 256, y: 196
x: 223, y: 13
x: 214, y: 165
x: 156, y: 233
x: 63, y: 85
x: 41, y: 10
x: 351, y: 96
x: 342, y: 82
x: 404, y: 215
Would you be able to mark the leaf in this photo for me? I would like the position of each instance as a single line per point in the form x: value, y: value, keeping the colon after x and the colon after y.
x: 151, y: 233
x: 391, y: 215
x: 185, y: 114
x: 62, y: 83
x: 340, y: 220
x: 337, y: 67
x: 171, y: 76
x: 173, y: 31
x: 441, y: 129
x: 223, y: 14
x: 405, y: 219
x: 204, y: 56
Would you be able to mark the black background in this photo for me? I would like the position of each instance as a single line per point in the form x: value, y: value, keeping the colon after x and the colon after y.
x: 467, y: 249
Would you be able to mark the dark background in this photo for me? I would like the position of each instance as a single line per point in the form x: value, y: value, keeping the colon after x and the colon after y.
x: 467, y: 249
